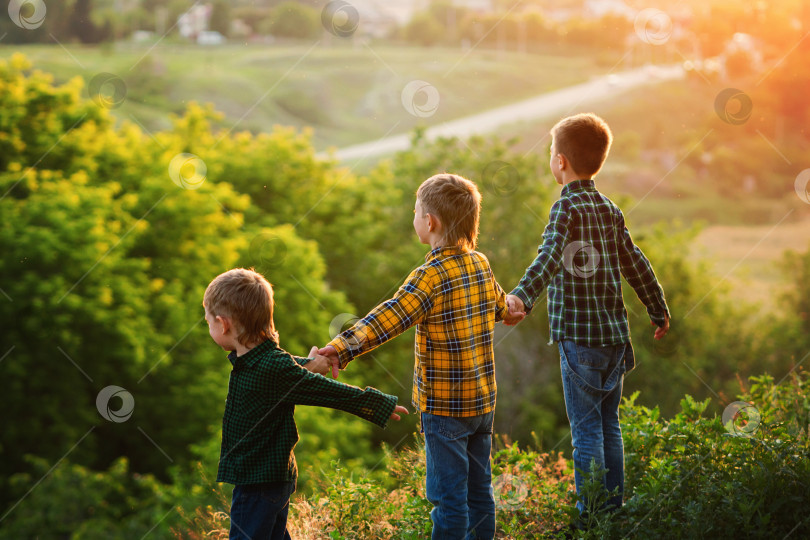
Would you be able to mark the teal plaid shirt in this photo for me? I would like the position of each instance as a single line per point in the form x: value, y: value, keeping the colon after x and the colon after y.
x: 258, y: 429
x: 586, y: 249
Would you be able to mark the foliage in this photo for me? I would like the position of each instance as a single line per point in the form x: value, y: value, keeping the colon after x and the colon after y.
x: 423, y: 29
x: 293, y: 20
x: 530, y: 486
x: 77, y: 503
x: 702, y: 479
x: 221, y: 17
x: 106, y: 262
x: 686, y: 477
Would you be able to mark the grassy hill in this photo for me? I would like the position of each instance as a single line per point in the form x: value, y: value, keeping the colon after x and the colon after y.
x: 346, y: 94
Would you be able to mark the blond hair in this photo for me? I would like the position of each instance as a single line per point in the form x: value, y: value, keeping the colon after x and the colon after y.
x: 457, y: 203
x: 584, y: 139
x: 246, y: 297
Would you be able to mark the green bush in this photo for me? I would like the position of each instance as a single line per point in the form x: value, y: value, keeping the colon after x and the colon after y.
x: 687, y: 477
x: 693, y: 477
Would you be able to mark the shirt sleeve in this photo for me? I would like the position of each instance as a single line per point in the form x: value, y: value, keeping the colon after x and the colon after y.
x: 295, y: 385
x: 638, y: 272
x: 500, y: 300
x: 408, y: 307
x: 549, y: 257
x: 301, y: 361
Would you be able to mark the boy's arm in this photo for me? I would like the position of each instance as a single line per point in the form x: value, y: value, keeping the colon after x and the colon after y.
x: 548, y: 260
x: 314, y: 363
x: 501, y: 309
x: 300, y: 387
x: 301, y: 361
x: 638, y: 272
x: 388, y: 320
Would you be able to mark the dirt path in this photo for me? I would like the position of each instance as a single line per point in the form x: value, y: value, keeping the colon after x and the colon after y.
x: 556, y: 103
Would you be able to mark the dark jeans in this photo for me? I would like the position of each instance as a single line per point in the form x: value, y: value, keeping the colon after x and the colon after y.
x: 592, y: 384
x: 459, y: 476
x: 259, y: 511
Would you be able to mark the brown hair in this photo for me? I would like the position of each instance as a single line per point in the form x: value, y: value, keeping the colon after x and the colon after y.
x: 246, y: 297
x: 457, y: 203
x: 584, y: 139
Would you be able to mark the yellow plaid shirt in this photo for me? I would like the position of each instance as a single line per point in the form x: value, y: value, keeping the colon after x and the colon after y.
x: 454, y: 301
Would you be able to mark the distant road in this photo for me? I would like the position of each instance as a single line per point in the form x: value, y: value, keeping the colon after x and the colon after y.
x: 558, y: 102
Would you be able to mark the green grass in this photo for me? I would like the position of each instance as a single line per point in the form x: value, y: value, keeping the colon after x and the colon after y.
x: 346, y: 94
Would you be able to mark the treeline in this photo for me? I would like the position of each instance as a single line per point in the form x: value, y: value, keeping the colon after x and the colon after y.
x: 692, y: 28
x: 98, y: 21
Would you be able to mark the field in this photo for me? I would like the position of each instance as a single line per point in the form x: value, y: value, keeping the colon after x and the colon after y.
x: 346, y: 94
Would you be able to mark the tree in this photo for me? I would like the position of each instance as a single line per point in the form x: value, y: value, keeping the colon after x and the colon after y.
x: 107, y: 260
x: 221, y: 17
x: 423, y: 29
x: 294, y: 20
x: 81, y: 23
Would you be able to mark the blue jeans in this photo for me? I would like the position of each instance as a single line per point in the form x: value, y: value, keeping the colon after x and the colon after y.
x: 459, y: 477
x: 259, y: 511
x: 592, y: 384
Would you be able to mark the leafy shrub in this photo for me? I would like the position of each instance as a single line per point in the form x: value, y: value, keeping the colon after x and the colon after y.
x: 687, y: 477
x: 693, y: 477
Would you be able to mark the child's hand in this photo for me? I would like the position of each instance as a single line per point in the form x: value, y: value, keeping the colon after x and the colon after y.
x: 398, y: 409
x: 661, y: 331
x: 517, y: 311
x: 331, y: 356
x: 320, y: 364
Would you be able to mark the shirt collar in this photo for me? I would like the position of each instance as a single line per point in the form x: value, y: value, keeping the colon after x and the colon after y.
x: 578, y: 185
x: 250, y: 357
x: 444, y: 251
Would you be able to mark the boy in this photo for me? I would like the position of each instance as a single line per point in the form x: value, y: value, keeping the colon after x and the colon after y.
x: 586, y: 249
x: 454, y: 301
x: 258, y: 429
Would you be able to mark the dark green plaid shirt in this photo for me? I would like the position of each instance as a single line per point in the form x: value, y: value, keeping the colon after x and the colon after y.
x: 258, y: 429
x: 586, y: 249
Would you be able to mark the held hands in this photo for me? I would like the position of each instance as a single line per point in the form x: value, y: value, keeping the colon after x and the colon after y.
x: 398, y: 409
x: 661, y: 331
x: 320, y: 364
x: 517, y: 311
x: 332, y: 359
